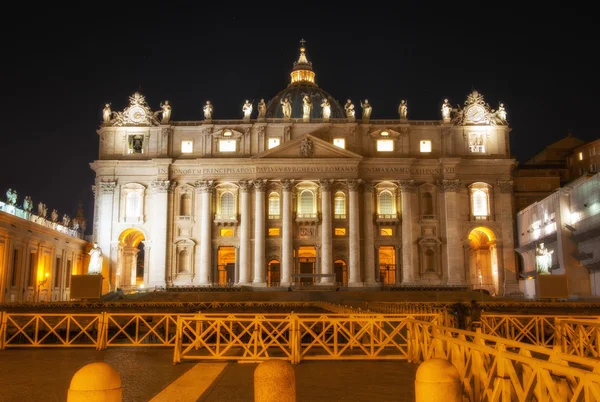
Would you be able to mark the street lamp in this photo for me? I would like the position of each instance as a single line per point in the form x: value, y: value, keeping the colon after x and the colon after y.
x: 42, y: 283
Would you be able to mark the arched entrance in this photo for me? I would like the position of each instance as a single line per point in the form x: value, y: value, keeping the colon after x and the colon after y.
x: 131, y: 260
x: 307, y: 258
x: 483, y: 260
x: 226, y: 265
x: 387, y: 265
x: 273, y: 273
x: 341, y: 272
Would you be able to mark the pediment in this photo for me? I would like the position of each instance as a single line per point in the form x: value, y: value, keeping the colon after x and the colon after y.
x: 307, y: 147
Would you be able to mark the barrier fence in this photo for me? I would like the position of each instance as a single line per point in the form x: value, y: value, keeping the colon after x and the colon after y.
x: 497, y: 369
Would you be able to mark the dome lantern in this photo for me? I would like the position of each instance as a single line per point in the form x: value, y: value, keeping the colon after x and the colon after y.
x: 302, y: 73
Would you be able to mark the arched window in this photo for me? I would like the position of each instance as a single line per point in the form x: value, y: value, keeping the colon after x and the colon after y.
x: 274, y: 209
x: 133, y: 205
x: 480, y: 203
x: 339, y: 205
x: 185, y: 205
x: 307, y: 202
x: 427, y: 204
x: 429, y: 260
x: 386, y: 206
x: 227, y: 205
x: 183, y: 264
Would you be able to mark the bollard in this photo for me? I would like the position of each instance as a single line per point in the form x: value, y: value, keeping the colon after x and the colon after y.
x: 274, y: 381
x: 437, y: 380
x: 96, y: 382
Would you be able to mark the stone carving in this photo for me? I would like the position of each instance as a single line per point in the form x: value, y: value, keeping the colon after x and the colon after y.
x: 353, y: 185
x: 325, y: 184
x: 287, y: 184
x: 368, y: 186
x: 107, y: 113
x: 306, y: 107
x: 205, y: 186
x: 66, y: 220
x: 137, y: 113
x: 451, y: 186
x: 247, y: 110
x: 349, y: 107
x: 107, y: 187
x: 477, y: 111
x: 403, y: 110
x: 446, y: 110
x: 446, y: 131
x: 166, y: 112
x: 286, y: 108
x: 172, y: 186
x: 366, y: 110
x: 42, y: 210
x: 501, y: 113
x: 407, y: 186
x: 506, y: 186
x: 326, y: 108
x: 54, y: 216
x: 261, y: 132
x: 260, y: 184
x: 208, y: 110
x: 404, y: 131
x: 160, y: 186
x: 11, y: 196
x: 95, y: 265
x: 306, y: 231
x: 287, y: 131
x: 262, y: 109
x: 245, y: 185
x: 27, y: 203
x: 307, y: 148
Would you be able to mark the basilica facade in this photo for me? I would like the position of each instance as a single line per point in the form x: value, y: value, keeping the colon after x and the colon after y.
x: 304, y: 190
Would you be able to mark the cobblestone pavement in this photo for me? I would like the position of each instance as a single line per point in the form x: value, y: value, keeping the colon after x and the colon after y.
x: 45, y: 374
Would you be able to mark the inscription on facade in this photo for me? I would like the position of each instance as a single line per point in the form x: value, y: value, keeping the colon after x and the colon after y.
x: 310, y: 169
x: 392, y: 169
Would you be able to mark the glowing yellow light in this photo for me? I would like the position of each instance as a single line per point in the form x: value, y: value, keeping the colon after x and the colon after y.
x: 385, y: 133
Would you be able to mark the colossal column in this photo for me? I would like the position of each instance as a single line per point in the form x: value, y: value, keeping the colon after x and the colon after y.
x: 103, y: 221
x: 287, y: 257
x: 259, y: 232
x: 369, y: 234
x: 326, y: 240
x: 410, y: 264
x: 354, y: 238
x: 507, y: 276
x: 156, y: 270
x: 244, y: 250
x: 205, y: 272
x: 453, y: 242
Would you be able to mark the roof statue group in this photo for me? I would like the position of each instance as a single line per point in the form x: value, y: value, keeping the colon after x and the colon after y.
x: 138, y: 112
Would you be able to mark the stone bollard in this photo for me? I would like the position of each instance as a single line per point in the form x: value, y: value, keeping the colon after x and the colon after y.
x: 274, y: 381
x: 437, y: 380
x: 96, y: 382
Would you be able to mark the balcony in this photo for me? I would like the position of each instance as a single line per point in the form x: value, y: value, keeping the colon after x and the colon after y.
x: 478, y: 218
x: 226, y: 220
x: 429, y: 217
x: 387, y: 219
x: 307, y: 219
x: 339, y: 216
x: 275, y: 216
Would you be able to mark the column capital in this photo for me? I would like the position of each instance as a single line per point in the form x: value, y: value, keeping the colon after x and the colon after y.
x: 353, y: 185
x: 505, y: 186
x: 245, y: 185
x: 260, y: 185
x: 325, y: 184
x: 450, y: 186
x: 287, y: 184
x: 368, y: 186
x: 107, y: 187
x: 160, y: 186
x: 172, y: 186
x: 205, y: 186
x: 407, y: 186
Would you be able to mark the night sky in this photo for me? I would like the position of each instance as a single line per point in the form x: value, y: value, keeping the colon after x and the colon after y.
x: 60, y: 66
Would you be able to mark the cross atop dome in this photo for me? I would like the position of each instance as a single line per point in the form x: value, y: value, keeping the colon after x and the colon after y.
x: 302, y: 72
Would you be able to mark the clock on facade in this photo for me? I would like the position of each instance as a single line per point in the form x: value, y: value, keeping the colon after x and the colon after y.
x: 137, y: 114
x: 475, y: 114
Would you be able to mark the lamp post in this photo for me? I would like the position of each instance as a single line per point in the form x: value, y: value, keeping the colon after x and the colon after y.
x: 42, y: 283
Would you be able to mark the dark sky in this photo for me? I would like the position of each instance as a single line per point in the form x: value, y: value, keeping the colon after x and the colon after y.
x: 61, y: 65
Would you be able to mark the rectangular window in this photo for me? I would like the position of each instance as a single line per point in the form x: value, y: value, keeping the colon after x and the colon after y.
x: 580, y: 155
x: 385, y: 145
x: 227, y: 145
x: 386, y: 232
x: 57, y: 271
x: 226, y: 232
x: 273, y: 142
x: 425, y: 146
x: 13, y: 278
x: 68, y: 274
x: 187, y: 147
x: 340, y: 231
x: 274, y: 231
x: 339, y: 142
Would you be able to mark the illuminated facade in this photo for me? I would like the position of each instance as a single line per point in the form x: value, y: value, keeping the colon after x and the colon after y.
x: 306, y: 192
x: 560, y: 235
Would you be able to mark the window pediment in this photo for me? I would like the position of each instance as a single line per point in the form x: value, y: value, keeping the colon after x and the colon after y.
x: 384, y: 133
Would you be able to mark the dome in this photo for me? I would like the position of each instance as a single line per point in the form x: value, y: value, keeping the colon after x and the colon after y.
x: 303, y: 84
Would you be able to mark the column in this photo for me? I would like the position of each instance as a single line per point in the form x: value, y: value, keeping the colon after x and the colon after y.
x: 507, y: 275
x: 398, y: 250
x: 326, y: 236
x: 410, y: 212
x: 205, y: 272
x: 369, y: 248
x: 156, y: 267
x: 244, y: 250
x: 105, y: 194
x: 354, y: 238
x: 467, y: 265
x: 287, y: 257
x: 454, y: 264
x: 259, y: 233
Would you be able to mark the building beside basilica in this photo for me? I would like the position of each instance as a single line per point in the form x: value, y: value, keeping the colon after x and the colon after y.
x: 303, y: 190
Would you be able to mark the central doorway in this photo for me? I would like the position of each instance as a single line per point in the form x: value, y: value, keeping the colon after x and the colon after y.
x: 307, y: 258
x: 226, y: 265
x: 131, y: 260
x: 387, y: 265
